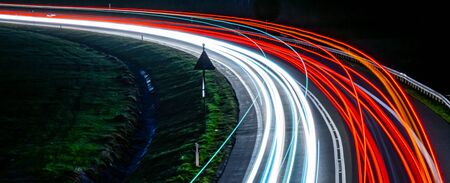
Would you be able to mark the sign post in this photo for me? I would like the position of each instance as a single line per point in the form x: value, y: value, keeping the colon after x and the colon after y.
x: 203, y: 63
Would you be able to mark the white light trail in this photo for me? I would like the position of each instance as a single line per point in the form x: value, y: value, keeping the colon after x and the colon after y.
x: 268, y: 78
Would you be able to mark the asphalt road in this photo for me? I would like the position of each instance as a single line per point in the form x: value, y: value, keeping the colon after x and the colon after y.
x: 261, y: 95
x: 276, y: 141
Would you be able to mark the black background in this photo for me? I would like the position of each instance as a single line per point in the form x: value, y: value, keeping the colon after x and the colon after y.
x: 408, y: 36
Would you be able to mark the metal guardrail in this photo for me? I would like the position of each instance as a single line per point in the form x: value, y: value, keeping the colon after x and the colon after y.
x: 399, y: 75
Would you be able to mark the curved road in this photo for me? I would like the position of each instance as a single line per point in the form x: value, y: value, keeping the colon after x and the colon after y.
x: 292, y: 131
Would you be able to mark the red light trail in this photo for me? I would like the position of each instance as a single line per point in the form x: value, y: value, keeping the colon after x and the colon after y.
x: 335, y: 78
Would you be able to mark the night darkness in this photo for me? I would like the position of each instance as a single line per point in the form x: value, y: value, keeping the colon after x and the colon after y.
x: 115, y: 95
x: 403, y: 35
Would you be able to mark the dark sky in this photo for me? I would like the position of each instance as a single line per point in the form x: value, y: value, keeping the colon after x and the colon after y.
x: 401, y: 34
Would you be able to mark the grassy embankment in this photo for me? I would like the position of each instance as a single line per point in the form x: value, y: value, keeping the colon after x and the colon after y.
x: 437, y: 107
x: 180, y: 120
x: 58, y: 102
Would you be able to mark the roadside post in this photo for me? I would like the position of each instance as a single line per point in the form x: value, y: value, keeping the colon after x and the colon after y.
x: 197, y: 156
x: 203, y: 63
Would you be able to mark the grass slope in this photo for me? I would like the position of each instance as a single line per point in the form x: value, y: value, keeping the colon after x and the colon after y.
x: 57, y: 101
x: 435, y: 106
x: 180, y: 121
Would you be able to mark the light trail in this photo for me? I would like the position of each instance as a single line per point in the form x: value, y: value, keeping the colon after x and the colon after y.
x: 248, y: 60
x: 356, y: 96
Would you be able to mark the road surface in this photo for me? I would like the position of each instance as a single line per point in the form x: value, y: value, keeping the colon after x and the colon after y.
x: 305, y: 117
